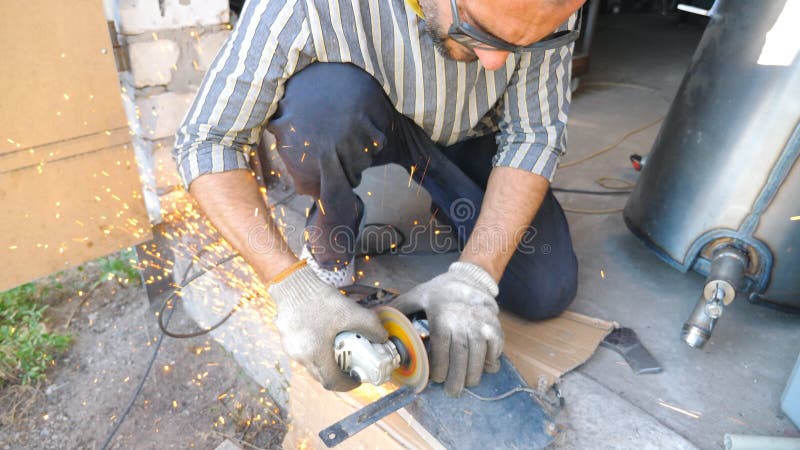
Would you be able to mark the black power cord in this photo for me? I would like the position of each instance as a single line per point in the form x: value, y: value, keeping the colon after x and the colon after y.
x: 162, y: 325
x: 168, y: 301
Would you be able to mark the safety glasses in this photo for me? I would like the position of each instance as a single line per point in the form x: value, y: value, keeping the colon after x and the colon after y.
x: 472, y: 38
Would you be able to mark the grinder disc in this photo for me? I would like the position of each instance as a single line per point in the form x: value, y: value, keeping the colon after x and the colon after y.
x: 415, y: 369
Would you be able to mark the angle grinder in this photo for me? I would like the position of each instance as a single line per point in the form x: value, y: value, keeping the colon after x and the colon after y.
x: 402, y: 359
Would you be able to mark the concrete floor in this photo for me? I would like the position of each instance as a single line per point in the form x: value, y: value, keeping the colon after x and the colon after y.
x: 734, y: 384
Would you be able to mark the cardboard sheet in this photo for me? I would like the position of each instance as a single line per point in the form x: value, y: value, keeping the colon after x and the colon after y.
x: 544, y: 351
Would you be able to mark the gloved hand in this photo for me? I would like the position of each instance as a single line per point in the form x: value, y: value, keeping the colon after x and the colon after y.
x: 466, y: 337
x: 310, y: 315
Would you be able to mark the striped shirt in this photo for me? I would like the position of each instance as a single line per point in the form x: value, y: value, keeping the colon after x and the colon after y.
x: 525, y: 102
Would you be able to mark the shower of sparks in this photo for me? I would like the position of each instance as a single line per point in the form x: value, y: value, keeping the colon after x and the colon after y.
x: 692, y: 414
x: 602, y: 274
x: 411, y: 175
x: 794, y: 218
x: 321, y: 208
x: 191, y: 237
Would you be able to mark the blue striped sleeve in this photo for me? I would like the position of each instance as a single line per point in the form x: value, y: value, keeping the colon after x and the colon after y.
x: 533, y: 124
x: 242, y: 88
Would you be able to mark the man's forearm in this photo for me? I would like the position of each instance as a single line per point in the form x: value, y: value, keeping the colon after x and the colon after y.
x: 234, y: 204
x: 512, y: 198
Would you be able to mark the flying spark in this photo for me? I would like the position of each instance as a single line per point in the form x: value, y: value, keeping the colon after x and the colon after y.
x: 693, y: 415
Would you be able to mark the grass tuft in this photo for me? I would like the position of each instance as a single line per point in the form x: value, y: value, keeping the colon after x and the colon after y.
x: 26, y: 347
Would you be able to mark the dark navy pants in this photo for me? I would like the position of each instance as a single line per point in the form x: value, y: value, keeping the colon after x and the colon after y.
x: 335, y: 121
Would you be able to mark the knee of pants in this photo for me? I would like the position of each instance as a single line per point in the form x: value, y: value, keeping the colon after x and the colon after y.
x: 541, y: 295
x: 330, y: 105
x: 331, y: 122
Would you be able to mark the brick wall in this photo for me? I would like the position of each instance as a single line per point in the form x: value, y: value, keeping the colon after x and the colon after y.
x: 171, y: 44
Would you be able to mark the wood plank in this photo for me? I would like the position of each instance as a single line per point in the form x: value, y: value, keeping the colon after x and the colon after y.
x: 59, y: 78
x: 69, y: 185
x: 64, y: 213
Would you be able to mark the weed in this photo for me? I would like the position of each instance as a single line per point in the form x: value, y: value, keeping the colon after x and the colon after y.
x: 121, y: 267
x: 26, y: 348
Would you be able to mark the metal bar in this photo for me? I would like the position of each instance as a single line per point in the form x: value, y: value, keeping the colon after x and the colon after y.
x: 366, y: 416
x: 694, y: 10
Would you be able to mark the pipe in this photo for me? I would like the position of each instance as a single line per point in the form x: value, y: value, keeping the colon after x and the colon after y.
x: 725, y: 279
x: 742, y: 442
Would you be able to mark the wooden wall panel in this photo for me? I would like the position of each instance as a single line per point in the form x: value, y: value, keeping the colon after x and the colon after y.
x: 69, y: 184
x: 58, y: 77
x: 67, y: 212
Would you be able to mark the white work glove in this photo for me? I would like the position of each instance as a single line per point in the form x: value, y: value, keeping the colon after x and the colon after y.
x: 465, y: 333
x: 310, y: 315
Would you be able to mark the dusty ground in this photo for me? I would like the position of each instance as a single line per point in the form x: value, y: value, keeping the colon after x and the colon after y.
x: 195, y: 396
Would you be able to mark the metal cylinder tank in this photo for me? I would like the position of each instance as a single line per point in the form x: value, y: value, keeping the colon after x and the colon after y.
x: 724, y: 169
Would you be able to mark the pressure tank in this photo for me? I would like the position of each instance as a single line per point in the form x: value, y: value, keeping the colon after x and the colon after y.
x: 722, y: 178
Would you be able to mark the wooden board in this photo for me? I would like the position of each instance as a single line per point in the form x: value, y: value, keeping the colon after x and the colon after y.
x: 67, y: 212
x: 69, y: 184
x: 58, y: 77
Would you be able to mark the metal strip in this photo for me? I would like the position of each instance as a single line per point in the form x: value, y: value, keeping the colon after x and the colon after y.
x: 366, y: 416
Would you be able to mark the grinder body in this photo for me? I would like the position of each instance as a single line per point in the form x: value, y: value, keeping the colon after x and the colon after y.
x: 402, y: 358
